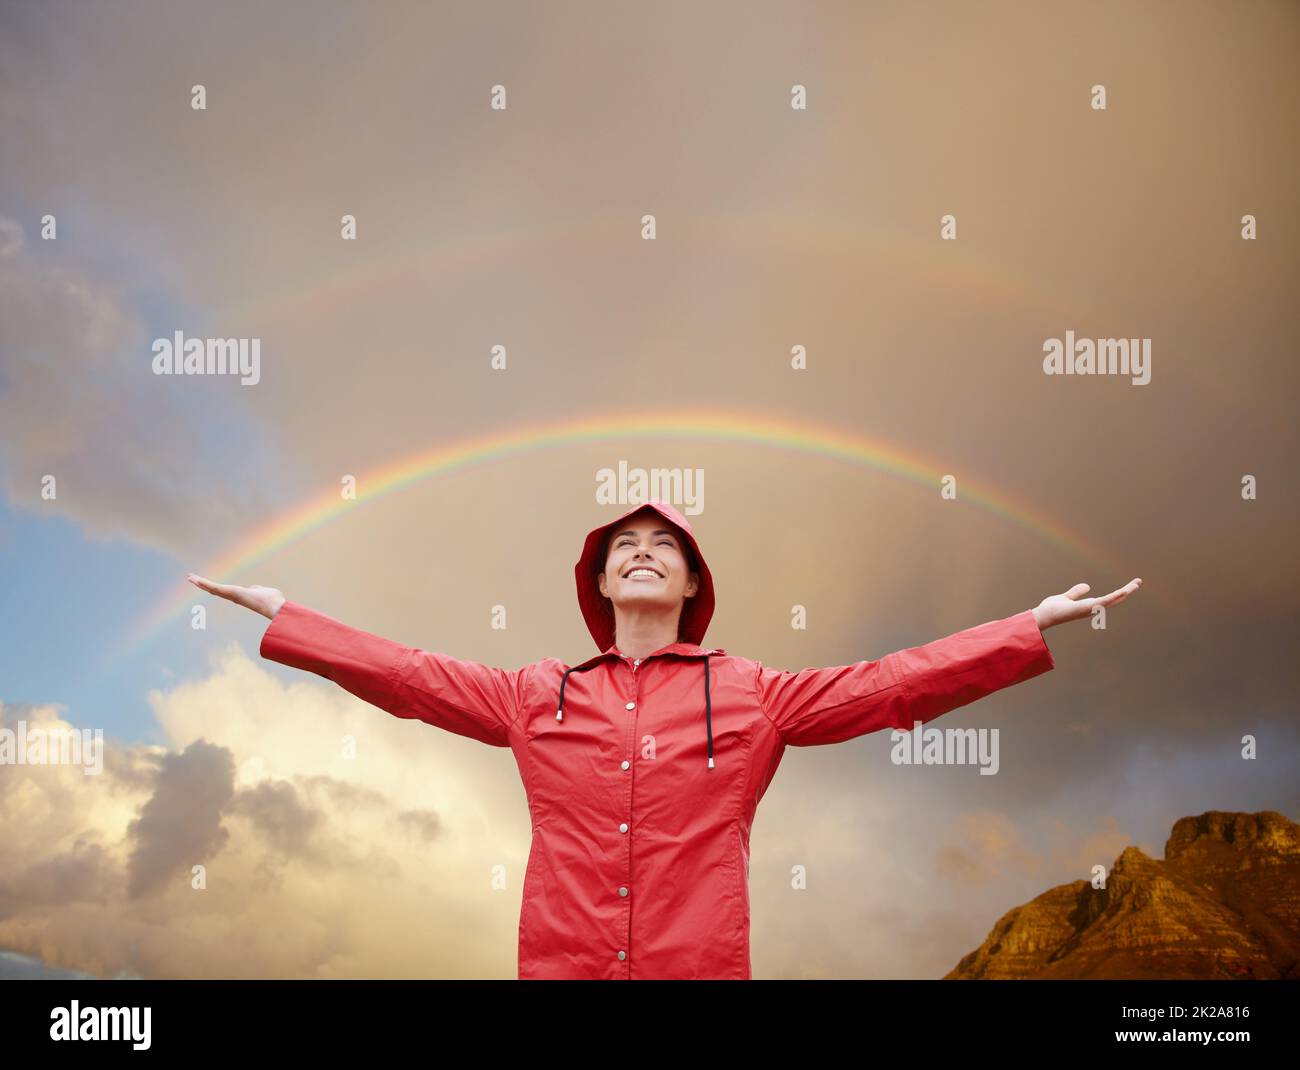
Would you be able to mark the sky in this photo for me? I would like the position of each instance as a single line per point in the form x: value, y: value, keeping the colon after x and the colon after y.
x: 522, y: 227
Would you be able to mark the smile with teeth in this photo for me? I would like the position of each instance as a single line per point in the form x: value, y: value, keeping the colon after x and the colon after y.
x: 643, y: 574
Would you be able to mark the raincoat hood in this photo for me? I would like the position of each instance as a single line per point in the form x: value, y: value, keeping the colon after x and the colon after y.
x: 598, y: 611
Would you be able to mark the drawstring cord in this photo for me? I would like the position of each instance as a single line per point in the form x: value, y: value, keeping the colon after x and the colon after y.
x: 708, y: 702
x: 708, y: 709
x: 559, y: 714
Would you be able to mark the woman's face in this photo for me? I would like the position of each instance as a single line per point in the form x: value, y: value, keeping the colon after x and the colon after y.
x: 646, y: 565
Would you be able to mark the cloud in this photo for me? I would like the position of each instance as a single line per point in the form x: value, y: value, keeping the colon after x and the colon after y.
x: 82, y: 872
x: 1082, y: 848
x: 15, y: 967
x: 993, y: 847
x: 280, y: 816
x: 315, y: 865
x: 181, y: 822
x: 989, y: 845
x: 11, y: 236
x: 79, y: 402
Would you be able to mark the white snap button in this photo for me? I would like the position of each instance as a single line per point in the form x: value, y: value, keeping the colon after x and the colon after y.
x: 622, y: 955
x: 627, y: 765
x: 622, y: 828
x: 622, y: 891
x: 631, y: 705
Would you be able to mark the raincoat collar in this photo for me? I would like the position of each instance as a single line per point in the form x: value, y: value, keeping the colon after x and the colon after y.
x: 684, y: 649
x: 690, y: 650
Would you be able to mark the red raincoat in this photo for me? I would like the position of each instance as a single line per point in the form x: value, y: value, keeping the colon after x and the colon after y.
x: 642, y: 782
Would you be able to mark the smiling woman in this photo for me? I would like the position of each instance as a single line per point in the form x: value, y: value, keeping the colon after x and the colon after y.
x: 642, y: 799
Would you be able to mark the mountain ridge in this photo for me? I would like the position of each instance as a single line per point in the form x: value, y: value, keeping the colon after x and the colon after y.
x: 1224, y: 902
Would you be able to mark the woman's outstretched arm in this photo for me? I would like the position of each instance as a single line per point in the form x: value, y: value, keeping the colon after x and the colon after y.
x: 817, y: 706
x: 464, y: 697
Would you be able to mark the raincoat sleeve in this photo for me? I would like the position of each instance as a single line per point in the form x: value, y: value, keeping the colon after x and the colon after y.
x: 816, y: 706
x: 460, y: 696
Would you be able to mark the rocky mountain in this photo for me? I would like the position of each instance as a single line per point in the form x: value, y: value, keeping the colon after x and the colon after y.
x: 1223, y: 903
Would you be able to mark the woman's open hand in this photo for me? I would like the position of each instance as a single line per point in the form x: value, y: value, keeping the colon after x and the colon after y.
x: 1058, y: 608
x: 264, y: 600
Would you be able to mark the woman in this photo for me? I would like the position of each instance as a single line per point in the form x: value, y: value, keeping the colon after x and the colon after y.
x: 644, y: 766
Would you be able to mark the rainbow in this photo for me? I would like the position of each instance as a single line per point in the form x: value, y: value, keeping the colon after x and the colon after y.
x: 699, y: 425
x: 963, y: 267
